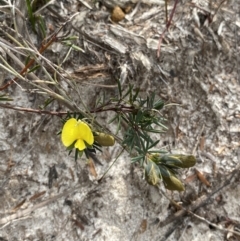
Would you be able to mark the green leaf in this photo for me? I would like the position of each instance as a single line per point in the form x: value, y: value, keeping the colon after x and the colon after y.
x: 34, y: 68
x: 27, y: 60
x: 153, y: 131
x: 97, y: 147
x: 119, y: 88
x: 139, y: 116
x: 160, y: 124
x: 141, y: 102
x: 41, y: 25
x: 131, y: 96
x: 128, y: 91
x: 139, y: 149
x: 136, y: 95
x: 158, y: 105
x: 150, y: 100
x: 76, y: 155
x: 119, y: 124
x: 46, y: 103
x: 73, y: 46
x: 31, y: 16
x: 128, y: 121
x: 136, y: 159
x: 144, y: 136
x: 153, y: 144
x: 5, y: 97
x: 157, y: 151
x: 113, y: 119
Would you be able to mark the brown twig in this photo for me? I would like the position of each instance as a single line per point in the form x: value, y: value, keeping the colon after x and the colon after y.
x: 40, y: 112
x: 202, y: 178
x: 200, y: 202
x: 199, y: 217
x: 37, y: 111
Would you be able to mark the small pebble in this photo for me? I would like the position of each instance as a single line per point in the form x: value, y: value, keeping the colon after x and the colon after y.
x: 117, y: 14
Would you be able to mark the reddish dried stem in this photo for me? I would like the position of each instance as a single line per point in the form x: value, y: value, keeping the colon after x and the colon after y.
x: 37, y: 111
x: 167, y: 26
x: 30, y: 63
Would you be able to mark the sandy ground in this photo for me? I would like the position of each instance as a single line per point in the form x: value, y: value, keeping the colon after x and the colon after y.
x: 46, y: 195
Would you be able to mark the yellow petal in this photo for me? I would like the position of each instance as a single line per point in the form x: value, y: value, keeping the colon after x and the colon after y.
x: 80, y: 145
x: 70, y: 132
x: 85, y: 133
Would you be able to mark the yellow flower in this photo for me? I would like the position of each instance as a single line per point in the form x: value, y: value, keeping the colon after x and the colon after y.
x: 79, y: 131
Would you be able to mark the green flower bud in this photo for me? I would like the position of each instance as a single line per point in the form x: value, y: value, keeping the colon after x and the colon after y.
x: 152, y: 173
x: 172, y: 183
x: 152, y: 179
x: 170, y: 161
x: 154, y: 157
x: 183, y: 161
x: 187, y: 161
x: 104, y: 139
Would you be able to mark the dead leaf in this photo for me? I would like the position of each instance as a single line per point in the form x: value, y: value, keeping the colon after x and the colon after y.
x: 230, y: 234
x: 202, y: 178
x: 221, y: 150
x: 143, y: 226
x: 78, y: 224
x: 91, y: 167
x: 202, y: 143
x: 18, y: 205
x: 37, y: 195
x: 190, y: 178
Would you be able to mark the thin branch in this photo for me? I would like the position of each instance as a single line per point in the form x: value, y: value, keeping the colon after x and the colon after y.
x: 200, y: 202
x: 37, y: 111
x: 199, y: 217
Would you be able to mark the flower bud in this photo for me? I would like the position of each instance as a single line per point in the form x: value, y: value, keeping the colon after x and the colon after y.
x: 183, y: 161
x: 172, y: 183
x: 152, y: 173
x: 104, y: 139
x: 186, y: 160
